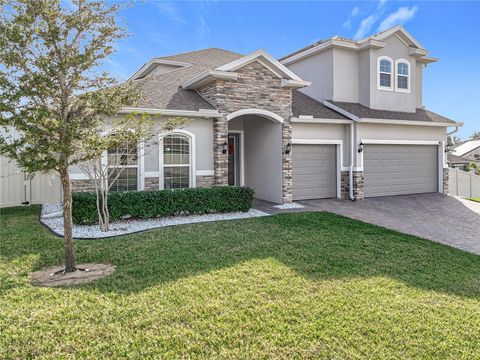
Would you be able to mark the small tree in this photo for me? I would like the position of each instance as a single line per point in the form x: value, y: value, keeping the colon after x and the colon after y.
x: 475, y: 135
x: 51, y: 90
x: 103, y: 173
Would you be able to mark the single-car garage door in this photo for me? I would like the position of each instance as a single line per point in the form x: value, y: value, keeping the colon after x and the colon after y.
x: 400, y: 169
x: 314, y: 171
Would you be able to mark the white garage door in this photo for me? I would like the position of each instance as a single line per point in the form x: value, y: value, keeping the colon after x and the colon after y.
x: 314, y: 171
x: 400, y: 169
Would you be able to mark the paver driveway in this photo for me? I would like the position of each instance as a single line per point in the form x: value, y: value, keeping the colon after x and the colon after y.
x: 431, y: 216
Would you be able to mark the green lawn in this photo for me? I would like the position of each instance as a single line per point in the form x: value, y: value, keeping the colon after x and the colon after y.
x: 304, y: 285
x: 475, y: 199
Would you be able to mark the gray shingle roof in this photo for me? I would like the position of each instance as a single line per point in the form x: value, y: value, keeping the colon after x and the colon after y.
x: 165, y: 92
x: 365, y: 112
x: 454, y: 159
x: 305, y: 105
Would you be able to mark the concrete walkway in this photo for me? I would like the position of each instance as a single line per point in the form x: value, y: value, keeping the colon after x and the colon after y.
x: 436, y: 217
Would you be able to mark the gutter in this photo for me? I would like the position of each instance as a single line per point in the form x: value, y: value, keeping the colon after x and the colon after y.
x: 203, y: 113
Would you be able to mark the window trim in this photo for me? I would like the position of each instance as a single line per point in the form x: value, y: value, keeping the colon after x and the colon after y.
x: 192, y: 158
x: 140, y: 160
x: 392, y: 73
x: 402, y: 61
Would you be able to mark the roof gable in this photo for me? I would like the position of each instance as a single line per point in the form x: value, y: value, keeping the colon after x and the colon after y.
x: 266, y: 60
x: 398, y: 31
x: 228, y: 71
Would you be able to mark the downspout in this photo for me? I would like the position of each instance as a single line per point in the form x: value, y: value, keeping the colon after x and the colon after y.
x: 453, y: 131
x: 352, y: 155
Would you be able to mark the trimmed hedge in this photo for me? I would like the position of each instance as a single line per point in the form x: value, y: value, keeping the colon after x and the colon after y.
x: 162, y: 203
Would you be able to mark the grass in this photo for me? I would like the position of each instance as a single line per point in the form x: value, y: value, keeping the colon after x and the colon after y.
x: 474, y: 199
x: 300, y: 285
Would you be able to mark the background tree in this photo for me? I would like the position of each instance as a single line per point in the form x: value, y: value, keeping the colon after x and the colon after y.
x: 475, y: 135
x: 52, y: 90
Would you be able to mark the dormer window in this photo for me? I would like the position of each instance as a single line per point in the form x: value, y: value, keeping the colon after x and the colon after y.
x: 402, y: 79
x: 385, y: 73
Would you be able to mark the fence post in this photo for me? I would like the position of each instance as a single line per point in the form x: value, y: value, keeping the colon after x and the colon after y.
x: 456, y: 181
x: 471, y: 185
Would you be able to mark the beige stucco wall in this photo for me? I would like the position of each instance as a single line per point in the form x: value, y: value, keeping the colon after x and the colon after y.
x: 366, y: 131
x: 345, y: 70
x: 309, y: 131
x: 319, y: 70
x: 393, y: 100
x: 398, y: 133
x: 201, y: 128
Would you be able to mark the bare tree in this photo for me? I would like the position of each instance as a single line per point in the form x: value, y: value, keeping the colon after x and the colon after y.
x: 105, y: 170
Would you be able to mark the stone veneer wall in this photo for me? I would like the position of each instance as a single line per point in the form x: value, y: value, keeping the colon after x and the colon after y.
x: 358, y: 185
x: 446, y: 175
x: 206, y: 181
x: 256, y: 87
x: 151, y: 183
x: 81, y: 185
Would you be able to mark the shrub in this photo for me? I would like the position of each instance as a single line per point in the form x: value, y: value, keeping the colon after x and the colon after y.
x: 162, y: 203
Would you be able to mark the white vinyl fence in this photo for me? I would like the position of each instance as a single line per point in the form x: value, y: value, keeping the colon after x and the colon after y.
x: 462, y: 183
x: 19, y: 188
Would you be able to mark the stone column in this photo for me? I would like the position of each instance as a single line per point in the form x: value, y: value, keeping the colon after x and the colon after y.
x: 220, y: 160
x: 286, y: 163
x: 358, y: 185
x: 446, y: 175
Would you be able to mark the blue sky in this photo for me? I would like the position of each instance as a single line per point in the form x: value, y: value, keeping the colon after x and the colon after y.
x: 450, y: 30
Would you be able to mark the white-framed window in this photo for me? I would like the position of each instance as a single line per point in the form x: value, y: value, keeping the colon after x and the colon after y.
x: 123, y: 174
x: 385, y: 73
x: 176, y: 160
x: 402, y: 76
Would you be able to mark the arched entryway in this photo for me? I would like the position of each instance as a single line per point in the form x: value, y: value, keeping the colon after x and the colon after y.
x: 255, y: 152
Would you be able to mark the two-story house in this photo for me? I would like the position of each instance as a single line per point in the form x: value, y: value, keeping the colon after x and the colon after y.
x: 338, y: 118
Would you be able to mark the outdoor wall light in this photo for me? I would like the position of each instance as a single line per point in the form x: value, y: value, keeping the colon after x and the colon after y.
x: 288, y: 148
x: 360, y: 148
x: 447, y: 148
x: 224, y: 147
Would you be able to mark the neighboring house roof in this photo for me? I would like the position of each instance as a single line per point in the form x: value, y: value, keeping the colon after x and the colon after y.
x: 303, y: 104
x: 362, y: 112
x: 164, y: 91
x: 466, y: 147
x: 454, y: 159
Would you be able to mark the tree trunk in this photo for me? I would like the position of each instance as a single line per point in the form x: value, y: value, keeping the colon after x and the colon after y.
x: 67, y: 221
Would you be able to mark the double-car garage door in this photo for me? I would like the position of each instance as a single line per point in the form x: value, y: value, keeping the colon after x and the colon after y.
x: 388, y: 170
x: 400, y: 169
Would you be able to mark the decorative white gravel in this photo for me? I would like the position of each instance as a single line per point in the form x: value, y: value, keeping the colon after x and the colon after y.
x: 472, y: 205
x: 131, y: 226
x: 289, y: 206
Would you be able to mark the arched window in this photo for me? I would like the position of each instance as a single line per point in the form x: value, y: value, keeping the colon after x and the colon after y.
x: 402, y: 82
x: 385, y: 73
x: 123, y: 167
x: 177, y: 156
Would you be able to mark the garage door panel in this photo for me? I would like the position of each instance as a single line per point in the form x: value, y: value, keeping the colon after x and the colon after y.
x: 314, y: 174
x: 400, y: 169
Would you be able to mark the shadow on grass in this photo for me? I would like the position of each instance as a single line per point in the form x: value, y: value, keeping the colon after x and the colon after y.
x: 316, y: 245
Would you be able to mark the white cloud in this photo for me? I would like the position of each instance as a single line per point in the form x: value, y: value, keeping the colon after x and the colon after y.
x: 399, y: 17
x: 348, y: 23
x: 171, y: 12
x: 365, y: 26
x: 355, y: 11
x: 367, y: 23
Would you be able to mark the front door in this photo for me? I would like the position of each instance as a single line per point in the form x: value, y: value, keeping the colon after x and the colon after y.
x: 234, y: 159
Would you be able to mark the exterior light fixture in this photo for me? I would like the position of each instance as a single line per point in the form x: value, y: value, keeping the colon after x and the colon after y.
x: 224, y: 147
x: 288, y: 148
x: 447, y: 148
x: 360, y: 148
